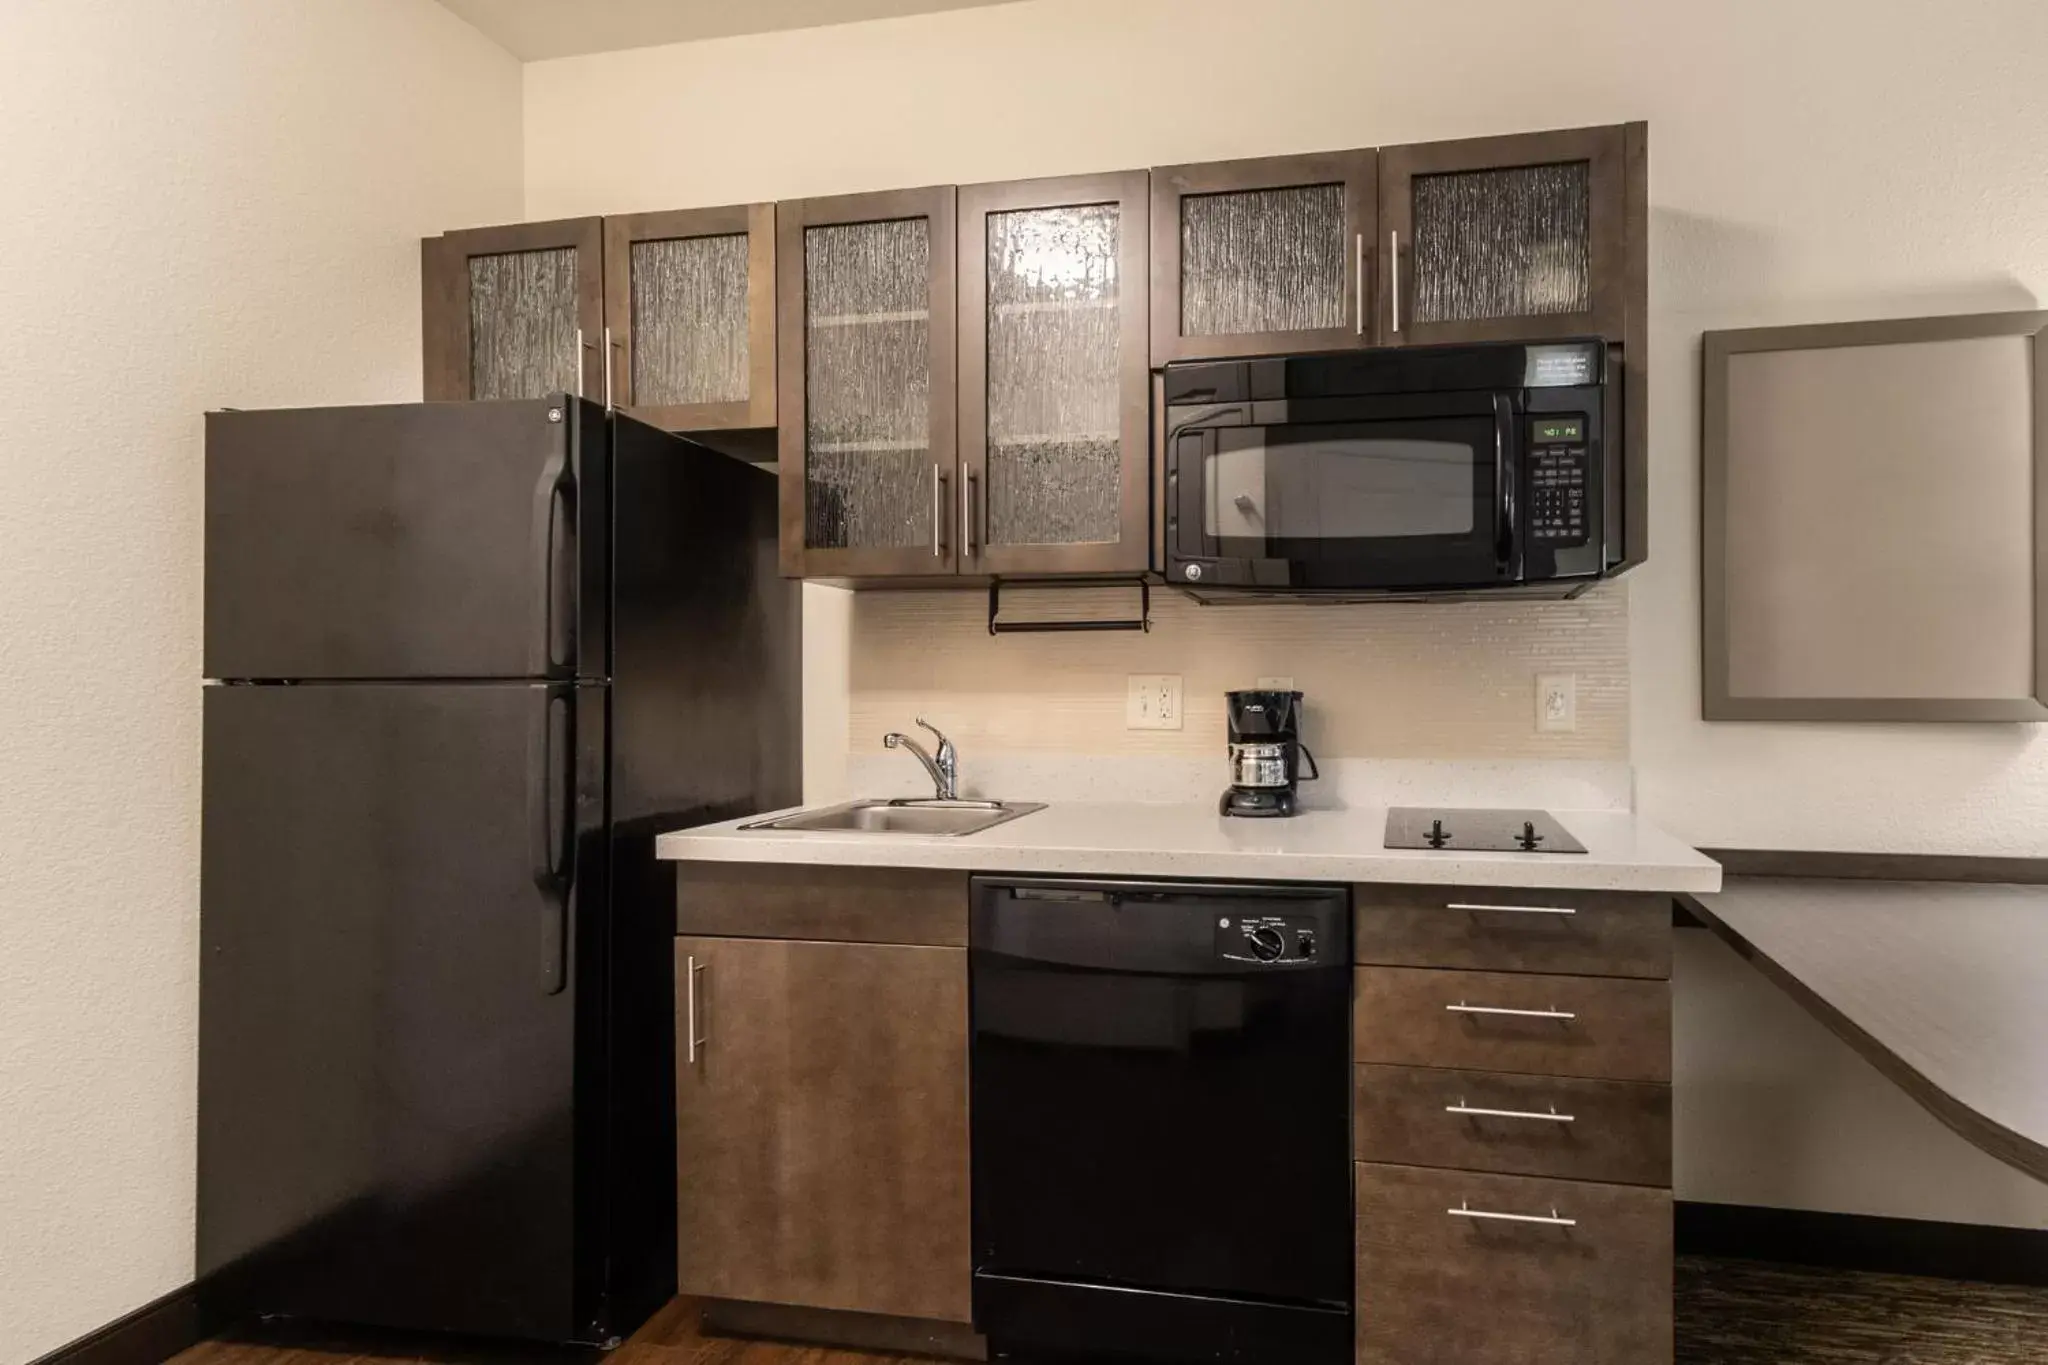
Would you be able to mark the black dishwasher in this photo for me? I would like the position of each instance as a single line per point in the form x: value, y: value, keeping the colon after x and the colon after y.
x: 1161, y: 1082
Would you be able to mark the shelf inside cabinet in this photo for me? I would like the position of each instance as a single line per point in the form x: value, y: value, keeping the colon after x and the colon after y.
x: 864, y: 447
x: 868, y: 319
x: 1009, y: 310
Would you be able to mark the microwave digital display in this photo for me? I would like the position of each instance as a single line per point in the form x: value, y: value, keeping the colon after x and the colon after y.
x: 1569, y: 430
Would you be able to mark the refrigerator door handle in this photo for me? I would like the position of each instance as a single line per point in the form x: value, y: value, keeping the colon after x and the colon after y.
x: 556, y: 488
x: 551, y: 835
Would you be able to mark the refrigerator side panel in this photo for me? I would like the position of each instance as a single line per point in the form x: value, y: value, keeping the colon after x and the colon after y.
x: 707, y: 637
x: 706, y: 724
x: 422, y: 540
x: 388, y: 998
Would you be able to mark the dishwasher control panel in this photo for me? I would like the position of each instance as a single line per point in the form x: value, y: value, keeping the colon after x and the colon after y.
x: 1270, y: 940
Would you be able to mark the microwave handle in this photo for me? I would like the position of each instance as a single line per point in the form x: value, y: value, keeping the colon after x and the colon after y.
x: 1180, y: 496
x: 1503, y: 486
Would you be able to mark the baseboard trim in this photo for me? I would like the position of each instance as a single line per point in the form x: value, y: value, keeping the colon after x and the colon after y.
x: 150, y: 1335
x: 1855, y: 1241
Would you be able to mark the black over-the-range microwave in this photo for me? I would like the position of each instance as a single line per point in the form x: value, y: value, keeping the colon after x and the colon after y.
x: 1410, y: 470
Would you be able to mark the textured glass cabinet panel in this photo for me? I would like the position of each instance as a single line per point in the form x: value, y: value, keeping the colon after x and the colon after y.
x: 1054, y: 472
x: 522, y: 324
x: 1503, y: 243
x: 1262, y: 261
x: 690, y: 320
x: 868, y: 479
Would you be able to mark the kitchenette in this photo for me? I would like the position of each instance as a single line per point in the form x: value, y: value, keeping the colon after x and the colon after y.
x: 1039, y: 770
x: 1052, y: 682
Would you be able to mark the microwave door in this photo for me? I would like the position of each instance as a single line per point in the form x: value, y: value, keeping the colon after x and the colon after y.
x: 1415, y: 502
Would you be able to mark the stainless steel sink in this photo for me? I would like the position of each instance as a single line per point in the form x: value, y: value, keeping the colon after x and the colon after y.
x: 905, y: 815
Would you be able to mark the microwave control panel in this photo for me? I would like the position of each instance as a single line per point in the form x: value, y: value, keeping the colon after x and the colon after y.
x: 1558, y: 473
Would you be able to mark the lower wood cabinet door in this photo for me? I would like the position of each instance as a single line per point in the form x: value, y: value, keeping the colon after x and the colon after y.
x: 821, y: 1106
x: 1456, y: 1268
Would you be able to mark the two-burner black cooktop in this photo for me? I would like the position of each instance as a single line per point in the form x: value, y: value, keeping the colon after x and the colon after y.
x: 1464, y: 830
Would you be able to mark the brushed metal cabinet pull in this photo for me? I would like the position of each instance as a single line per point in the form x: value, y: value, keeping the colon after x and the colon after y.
x: 1394, y: 277
x: 608, y: 369
x: 580, y: 349
x: 1462, y: 1008
x: 1358, y: 283
x: 1552, y: 1117
x: 969, y: 486
x: 1512, y: 909
x: 938, y: 509
x: 1551, y: 1220
x: 697, y: 1039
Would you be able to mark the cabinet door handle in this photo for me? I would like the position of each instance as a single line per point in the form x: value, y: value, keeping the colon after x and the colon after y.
x: 581, y: 347
x: 1550, y: 1220
x: 1552, y: 1117
x: 696, y: 1039
x: 938, y: 510
x: 1462, y: 1008
x: 1513, y: 909
x: 969, y: 486
x: 1358, y: 283
x: 608, y: 344
x: 1394, y: 277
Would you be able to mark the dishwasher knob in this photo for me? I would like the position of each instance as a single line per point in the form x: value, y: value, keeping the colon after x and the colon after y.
x: 1266, y: 943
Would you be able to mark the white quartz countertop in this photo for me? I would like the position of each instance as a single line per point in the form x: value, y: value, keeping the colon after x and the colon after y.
x: 1623, y: 851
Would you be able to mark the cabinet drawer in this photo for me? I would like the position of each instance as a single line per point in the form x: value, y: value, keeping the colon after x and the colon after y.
x: 1591, y: 933
x: 910, y: 905
x: 1604, y: 1027
x: 1438, y: 1285
x: 1618, y: 1131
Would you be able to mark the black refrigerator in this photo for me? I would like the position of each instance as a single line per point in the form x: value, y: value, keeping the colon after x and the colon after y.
x: 464, y: 661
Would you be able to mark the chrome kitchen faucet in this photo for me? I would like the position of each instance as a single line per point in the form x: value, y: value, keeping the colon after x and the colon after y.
x: 944, y: 769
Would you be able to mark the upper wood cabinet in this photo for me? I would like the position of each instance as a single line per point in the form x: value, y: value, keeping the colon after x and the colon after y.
x: 1520, y: 238
x: 1263, y: 257
x: 865, y: 336
x: 514, y: 312
x: 689, y: 303
x: 1054, y: 462
x: 821, y: 1125
x: 669, y: 315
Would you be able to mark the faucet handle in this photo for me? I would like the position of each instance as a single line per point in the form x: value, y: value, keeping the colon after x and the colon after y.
x: 937, y: 734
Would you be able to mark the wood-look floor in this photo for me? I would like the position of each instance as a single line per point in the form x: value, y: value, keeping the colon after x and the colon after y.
x: 1729, y: 1313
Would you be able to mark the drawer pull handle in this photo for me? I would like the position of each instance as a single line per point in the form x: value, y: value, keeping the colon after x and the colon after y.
x: 1462, y: 1008
x: 1514, y: 909
x: 1550, y: 1221
x: 1552, y: 1117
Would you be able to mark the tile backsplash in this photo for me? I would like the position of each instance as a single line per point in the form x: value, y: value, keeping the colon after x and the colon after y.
x: 1440, y: 680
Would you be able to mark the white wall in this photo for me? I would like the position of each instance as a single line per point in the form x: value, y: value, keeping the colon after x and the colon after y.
x: 206, y: 203
x: 1813, y: 161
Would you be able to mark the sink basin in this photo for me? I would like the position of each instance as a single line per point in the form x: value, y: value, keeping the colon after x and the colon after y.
x: 905, y: 815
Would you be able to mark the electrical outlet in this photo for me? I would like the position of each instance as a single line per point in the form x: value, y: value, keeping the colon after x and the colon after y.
x: 1152, y: 701
x: 1557, y: 702
x: 1276, y: 684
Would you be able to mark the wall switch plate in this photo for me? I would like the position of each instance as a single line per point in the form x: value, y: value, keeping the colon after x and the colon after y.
x: 1276, y: 684
x: 1557, y: 702
x: 1152, y: 701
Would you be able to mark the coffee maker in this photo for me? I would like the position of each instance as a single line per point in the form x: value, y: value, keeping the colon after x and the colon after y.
x: 1265, y: 753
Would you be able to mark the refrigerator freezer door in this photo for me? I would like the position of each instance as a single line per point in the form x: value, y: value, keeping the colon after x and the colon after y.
x: 397, y: 882
x: 423, y: 540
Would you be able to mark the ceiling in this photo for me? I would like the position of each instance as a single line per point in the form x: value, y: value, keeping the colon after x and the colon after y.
x: 533, y: 30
